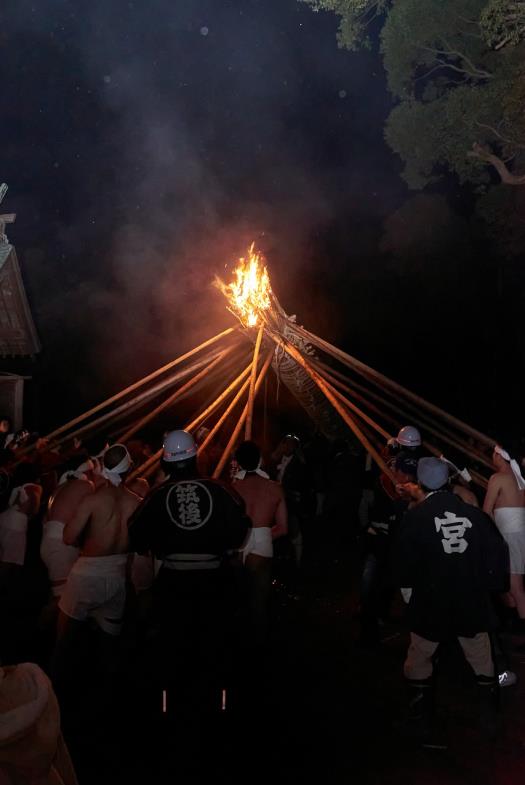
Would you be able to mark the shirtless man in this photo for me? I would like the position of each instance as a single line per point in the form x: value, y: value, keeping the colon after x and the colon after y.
x: 266, y: 507
x: 75, y: 484
x: 96, y: 586
x: 505, y: 502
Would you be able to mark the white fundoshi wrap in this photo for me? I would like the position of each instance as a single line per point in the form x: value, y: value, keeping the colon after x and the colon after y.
x: 241, y: 474
x: 114, y: 475
x: 513, y: 465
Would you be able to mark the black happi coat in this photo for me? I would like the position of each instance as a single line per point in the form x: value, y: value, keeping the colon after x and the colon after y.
x: 199, y: 516
x: 453, y: 557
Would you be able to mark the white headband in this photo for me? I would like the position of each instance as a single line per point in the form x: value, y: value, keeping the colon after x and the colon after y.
x: 516, y: 471
x: 241, y: 474
x: 18, y: 495
x: 114, y: 475
x: 79, y: 473
x: 463, y: 473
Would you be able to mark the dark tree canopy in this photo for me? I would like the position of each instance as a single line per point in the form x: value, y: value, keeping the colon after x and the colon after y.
x: 456, y: 69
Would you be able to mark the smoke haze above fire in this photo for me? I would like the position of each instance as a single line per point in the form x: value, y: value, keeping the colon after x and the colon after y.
x: 155, y: 142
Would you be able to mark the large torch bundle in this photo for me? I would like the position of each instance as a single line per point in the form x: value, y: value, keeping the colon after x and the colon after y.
x: 340, y: 393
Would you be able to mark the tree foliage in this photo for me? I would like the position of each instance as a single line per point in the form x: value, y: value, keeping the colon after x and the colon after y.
x: 456, y: 69
x: 355, y: 17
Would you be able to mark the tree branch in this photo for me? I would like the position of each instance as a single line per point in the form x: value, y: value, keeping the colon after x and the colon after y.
x: 505, y: 139
x: 485, y: 154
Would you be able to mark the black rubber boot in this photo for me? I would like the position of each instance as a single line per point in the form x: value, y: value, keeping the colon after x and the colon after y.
x: 420, y: 709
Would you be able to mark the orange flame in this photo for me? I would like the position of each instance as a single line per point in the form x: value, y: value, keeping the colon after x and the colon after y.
x: 249, y: 293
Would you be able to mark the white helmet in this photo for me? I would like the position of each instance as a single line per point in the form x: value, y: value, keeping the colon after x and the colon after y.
x: 409, y: 436
x: 178, y: 446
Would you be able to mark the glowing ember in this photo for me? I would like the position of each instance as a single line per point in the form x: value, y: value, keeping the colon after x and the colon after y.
x: 249, y: 293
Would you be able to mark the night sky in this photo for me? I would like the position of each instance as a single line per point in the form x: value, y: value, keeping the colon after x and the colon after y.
x: 146, y: 144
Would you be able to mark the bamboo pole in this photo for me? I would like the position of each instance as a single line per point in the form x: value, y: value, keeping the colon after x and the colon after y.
x: 236, y: 431
x: 136, y: 402
x: 148, y: 466
x: 175, y: 396
x: 217, y: 402
x: 476, y: 476
x: 139, y: 383
x: 380, y: 379
x: 253, y: 378
x: 319, y: 381
x: 441, y: 434
x: 358, y: 411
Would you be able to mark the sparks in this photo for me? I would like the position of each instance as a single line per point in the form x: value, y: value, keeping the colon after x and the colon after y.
x: 249, y: 293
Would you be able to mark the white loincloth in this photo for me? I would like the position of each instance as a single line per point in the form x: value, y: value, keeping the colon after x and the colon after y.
x: 13, y: 536
x: 96, y: 589
x: 259, y: 543
x: 58, y: 557
x: 511, y: 524
x: 144, y: 570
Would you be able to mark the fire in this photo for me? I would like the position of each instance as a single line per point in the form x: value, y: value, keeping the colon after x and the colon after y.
x: 250, y: 291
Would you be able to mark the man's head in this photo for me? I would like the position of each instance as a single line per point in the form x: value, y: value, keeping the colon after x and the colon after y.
x: 179, y: 453
x: 248, y: 456
x: 409, y: 437
x: 116, y: 464
x: 405, y: 469
x: 432, y: 474
x: 499, y: 461
x: 290, y: 444
x: 5, y: 425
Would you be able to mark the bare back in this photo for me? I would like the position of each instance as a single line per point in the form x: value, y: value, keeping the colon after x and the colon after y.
x: 100, y: 527
x: 503, y: 491
x: 264, y: 500
x: 66, y: 499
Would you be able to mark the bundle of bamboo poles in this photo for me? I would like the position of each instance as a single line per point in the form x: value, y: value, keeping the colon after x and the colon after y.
x: 368, y: 404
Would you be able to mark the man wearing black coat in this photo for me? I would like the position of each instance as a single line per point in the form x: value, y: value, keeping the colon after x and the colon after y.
x: 453, y: 558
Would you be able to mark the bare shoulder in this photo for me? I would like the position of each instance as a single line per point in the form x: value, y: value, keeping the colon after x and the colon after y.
x: 497, y: 480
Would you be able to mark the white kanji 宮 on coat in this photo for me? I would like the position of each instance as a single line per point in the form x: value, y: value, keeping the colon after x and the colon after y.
x: 453, y: 530
x: 189, y: 504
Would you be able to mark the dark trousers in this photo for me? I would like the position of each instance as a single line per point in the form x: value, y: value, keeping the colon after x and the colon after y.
x: 193, y: 611
x: 376, y: 588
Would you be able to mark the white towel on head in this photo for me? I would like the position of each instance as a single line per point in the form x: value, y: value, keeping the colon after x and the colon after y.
x: 241, y: 474
x: 463, y: 473
x: 516, y: 471
x: 19, y: 495
x: 114, y: 476
x: 79, y: 473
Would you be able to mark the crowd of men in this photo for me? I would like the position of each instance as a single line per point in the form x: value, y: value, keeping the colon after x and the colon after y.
x: 88, y: 548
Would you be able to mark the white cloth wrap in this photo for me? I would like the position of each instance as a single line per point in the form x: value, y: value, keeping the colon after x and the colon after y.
x: 114, y: 475
x: 259, y: 543
x: 241, y: 474
x: 463, y: 473
x: 516, y: 471
x: 79, y: 473
x: 96, y: 588
x: 58, y: 557
x: 18, y: 495
x: 511, y: 524
x: 13, y: 536
x: 21, y: 718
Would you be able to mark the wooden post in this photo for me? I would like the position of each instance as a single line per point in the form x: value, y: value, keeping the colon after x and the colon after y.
x: 298, y: 357
x: 175, y: 396
x: 139, y: 383
x: 381, y: 380
x: 253, y: 377
x: 236, y: 431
